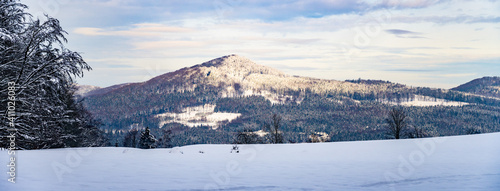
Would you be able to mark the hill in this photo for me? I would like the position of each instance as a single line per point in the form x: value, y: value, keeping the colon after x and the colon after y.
x: 210, y: 102
x: 444, y: 163
x: 486, y: 86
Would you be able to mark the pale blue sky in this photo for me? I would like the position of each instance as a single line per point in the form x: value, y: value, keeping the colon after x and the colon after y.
x: 419, y: 43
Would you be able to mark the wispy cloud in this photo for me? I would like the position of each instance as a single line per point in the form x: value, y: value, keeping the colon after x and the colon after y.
x: 139, y: 30
x: 468, y: 19
x: 158, y: 45
x: 400, y: 32
x: 404, y: 33
x: 410, y: 70
x: 454, y: 75
x: 404, y: 4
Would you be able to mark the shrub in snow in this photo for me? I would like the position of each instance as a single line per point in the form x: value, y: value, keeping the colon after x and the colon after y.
x: 235, y: 149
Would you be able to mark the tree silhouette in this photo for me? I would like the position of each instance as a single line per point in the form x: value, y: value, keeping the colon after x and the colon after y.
x: 397, y: 122
x: 147, y: 141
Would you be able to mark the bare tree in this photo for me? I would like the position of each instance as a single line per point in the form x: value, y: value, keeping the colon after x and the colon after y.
x: 165, y: 140
x: 247, y: 136
x: 397, y: 122
x: 417, y: 132
x: 130, y: 139
x: 275, y: 135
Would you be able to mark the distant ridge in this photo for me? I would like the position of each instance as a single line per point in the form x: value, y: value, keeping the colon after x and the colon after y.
x: 486, y: 86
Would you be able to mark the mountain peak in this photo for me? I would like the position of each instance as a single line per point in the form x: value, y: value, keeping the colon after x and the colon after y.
x: 232, y: 59
x: 238, y: 65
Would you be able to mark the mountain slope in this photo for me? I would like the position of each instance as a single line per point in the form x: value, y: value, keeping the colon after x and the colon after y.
x: 234, y: 75
x: 226, y: 77
x: 209, y: 102
x: 486, y: 86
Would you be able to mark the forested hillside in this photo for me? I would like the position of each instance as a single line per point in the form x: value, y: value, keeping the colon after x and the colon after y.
x: 232, y: 85
x: 487, y: 86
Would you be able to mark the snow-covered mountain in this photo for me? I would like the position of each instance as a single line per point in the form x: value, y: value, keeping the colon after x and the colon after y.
x: 443, y: 163
x: 235, y: 75
x: 235, y: 93
x: 229, y: 76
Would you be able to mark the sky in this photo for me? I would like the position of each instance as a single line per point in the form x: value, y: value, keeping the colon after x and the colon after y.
x: 429, y: 43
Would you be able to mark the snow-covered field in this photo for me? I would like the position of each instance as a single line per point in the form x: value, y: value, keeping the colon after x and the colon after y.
x: 447, y: 163
x: 203, y: 115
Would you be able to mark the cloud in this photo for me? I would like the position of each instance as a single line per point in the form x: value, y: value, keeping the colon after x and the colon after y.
x: 301, y: 41
x: 462, y: 48
x: 404, y: 33
x: 138, y: 30
x: 302, y: 37
x: 294, y: 68
x: 458, y: 75
x: 410, y: 70
x: 158, y: 45
x: 89, y: 31
x: 400, y: 32
x: 468, y: 19
x: 404, y: 4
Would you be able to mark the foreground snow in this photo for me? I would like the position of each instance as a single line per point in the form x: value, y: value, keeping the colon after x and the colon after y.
x: 446, y: 163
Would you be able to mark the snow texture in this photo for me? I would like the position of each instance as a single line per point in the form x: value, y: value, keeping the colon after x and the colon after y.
x: 203, y: 115
x: 446, y: 163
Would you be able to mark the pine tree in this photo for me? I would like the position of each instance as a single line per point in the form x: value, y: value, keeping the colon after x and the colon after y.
x: 147, y: 141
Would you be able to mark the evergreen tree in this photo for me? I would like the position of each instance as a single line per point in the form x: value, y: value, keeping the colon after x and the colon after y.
x: 147, y: 141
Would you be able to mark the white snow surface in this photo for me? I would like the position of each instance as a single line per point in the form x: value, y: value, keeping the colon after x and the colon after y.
x: 203, y: 115
x: 469, y: 162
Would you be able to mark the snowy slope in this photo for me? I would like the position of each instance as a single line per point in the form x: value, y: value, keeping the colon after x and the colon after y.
x: 203, y: 115
x: 446, y: 163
